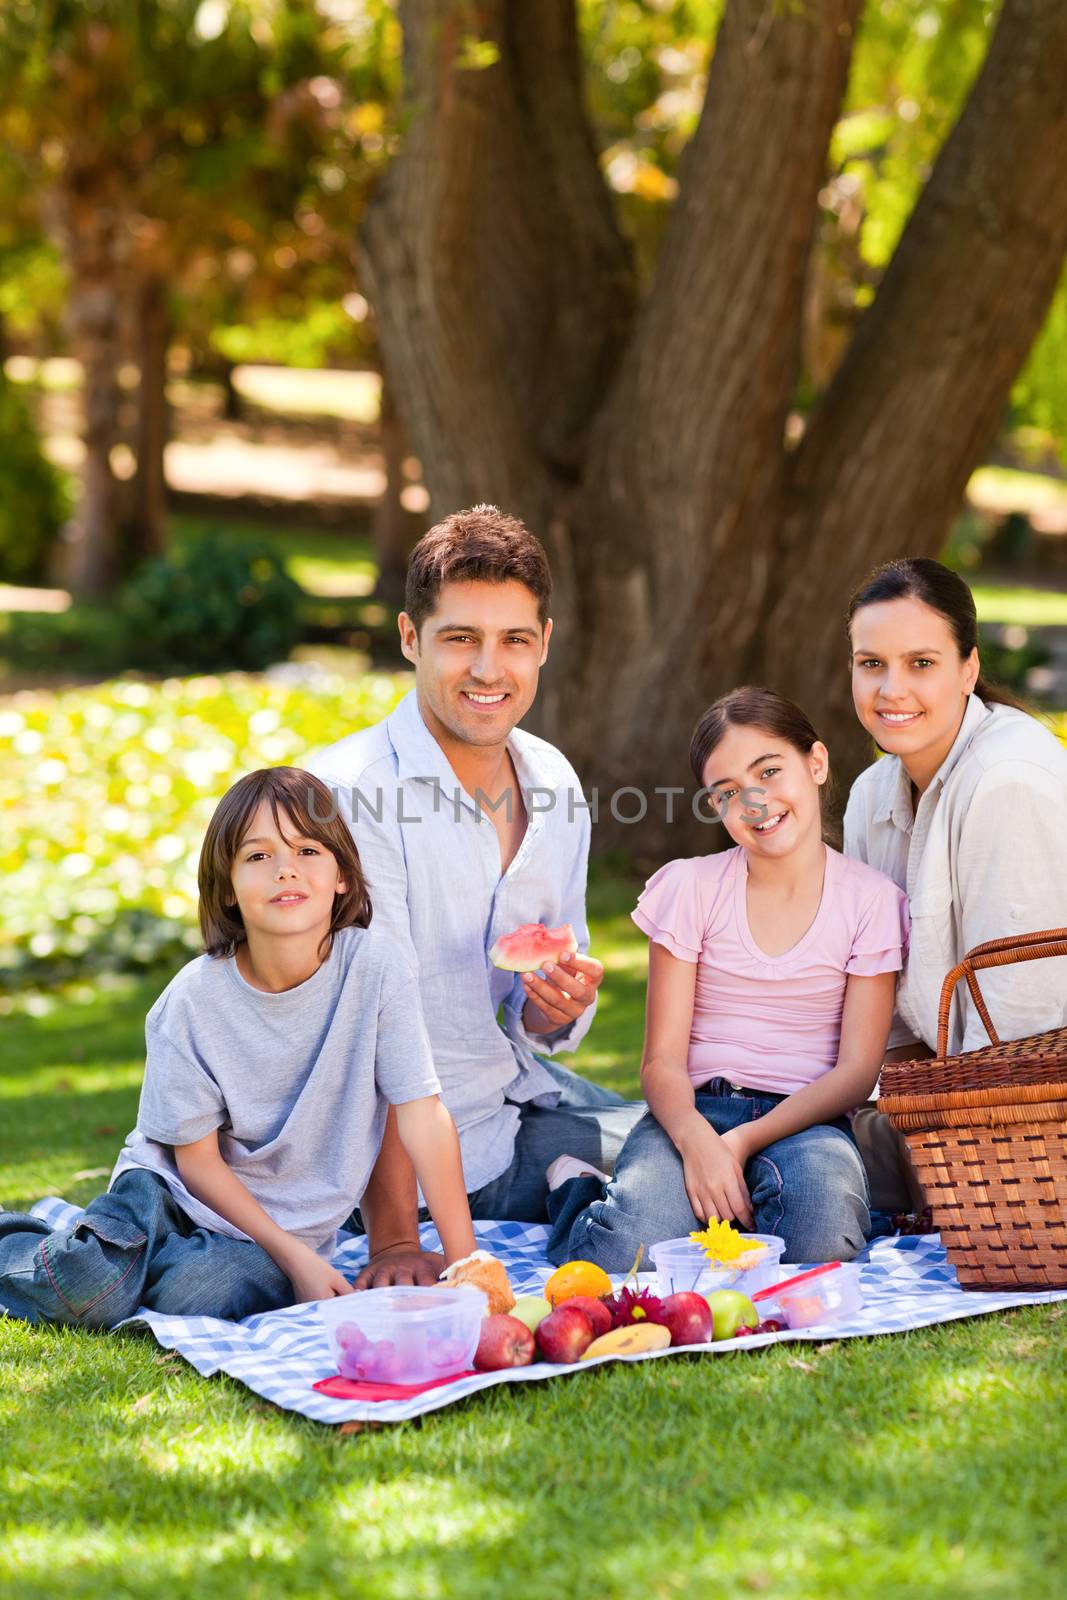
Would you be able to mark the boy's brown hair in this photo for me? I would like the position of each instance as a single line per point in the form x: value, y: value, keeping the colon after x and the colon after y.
x: 312, y: 812
x: 482, y: 545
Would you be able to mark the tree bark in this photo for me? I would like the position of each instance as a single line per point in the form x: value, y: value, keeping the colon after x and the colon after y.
x: 671, y: 538
x: 146, y: 533
x: 91, y: 228
x: 395, y: 530
x: 500, y: 281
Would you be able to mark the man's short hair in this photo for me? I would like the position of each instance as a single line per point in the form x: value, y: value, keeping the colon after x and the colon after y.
x: 482, y: 545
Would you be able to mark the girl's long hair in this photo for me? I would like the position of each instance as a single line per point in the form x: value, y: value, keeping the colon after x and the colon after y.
x: 310, y: 811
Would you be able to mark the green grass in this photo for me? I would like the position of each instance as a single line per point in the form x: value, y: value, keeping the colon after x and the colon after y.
x: 930, y: 1464
x: 1026, y: 608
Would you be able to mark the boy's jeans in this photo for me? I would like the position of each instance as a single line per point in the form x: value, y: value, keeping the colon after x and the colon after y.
x: 133, y: 1247
x: 809, y: 1189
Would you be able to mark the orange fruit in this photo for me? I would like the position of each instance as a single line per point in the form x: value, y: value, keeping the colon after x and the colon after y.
x: 576, y: 1278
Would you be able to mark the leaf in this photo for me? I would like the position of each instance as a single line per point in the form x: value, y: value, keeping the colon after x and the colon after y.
x: 802, y: 1366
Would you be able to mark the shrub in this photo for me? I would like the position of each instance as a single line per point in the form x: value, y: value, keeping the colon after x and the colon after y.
x: 32, y: 499
x: 216, y: 606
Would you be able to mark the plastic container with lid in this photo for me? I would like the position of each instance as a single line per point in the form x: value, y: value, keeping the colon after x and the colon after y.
x: 682, y: 1265
x: 811, y: 1301
x: 404, y: 1334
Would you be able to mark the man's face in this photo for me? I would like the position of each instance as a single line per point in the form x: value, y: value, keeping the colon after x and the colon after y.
x: 477, y: 658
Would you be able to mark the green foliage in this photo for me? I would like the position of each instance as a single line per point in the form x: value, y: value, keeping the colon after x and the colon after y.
x: 217, y: 605
x: 106, y: 794
x: 32, y: 499
x: 1039, y: 399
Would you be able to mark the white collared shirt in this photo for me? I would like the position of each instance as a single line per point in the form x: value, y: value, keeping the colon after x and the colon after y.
x: 984, y: 856
x: 431, y: 857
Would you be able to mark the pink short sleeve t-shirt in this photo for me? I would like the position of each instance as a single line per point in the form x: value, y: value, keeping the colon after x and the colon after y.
x: 771, y: 1023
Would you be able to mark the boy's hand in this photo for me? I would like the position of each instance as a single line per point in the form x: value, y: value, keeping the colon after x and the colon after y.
x: 559, y: 998
x: 313, y: 1278
x: 401, y: 1263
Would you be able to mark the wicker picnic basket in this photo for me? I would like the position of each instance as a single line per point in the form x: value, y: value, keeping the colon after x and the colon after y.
x: 987, y: 1132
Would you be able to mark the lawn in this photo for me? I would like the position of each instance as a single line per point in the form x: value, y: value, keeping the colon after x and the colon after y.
x: 930, y: 1464
x: 925, y: 1465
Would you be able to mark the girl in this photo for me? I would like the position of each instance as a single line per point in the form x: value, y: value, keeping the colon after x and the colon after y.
x: 771, y: 976
x: 270, y: 1062
x: 967, y: 812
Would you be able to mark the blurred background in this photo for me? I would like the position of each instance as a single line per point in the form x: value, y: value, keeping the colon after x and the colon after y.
x: 209, y: 478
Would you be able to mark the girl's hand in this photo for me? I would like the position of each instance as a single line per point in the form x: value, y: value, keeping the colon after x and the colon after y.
x: 312, y: 1278
x: 715, y: 1179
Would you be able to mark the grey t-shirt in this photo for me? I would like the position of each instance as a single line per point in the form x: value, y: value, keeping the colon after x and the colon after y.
x: 296, y: 1083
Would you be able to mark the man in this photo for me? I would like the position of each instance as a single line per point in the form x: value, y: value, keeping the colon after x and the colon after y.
x: 468, y: 827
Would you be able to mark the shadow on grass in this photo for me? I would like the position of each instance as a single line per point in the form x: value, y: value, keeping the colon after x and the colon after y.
x: 784, y: 1472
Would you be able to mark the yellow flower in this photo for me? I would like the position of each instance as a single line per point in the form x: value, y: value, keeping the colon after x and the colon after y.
x: 722, y: 1244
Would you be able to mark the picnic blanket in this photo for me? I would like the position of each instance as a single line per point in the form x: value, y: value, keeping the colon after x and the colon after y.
x: 907, y: 1283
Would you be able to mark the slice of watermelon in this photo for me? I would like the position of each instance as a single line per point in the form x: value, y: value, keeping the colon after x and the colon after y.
x: 529, y: 947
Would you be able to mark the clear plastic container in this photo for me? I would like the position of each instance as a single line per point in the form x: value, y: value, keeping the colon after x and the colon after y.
x: 404, y: 1334
x: 828, y: 1298
x: 681, y: 1264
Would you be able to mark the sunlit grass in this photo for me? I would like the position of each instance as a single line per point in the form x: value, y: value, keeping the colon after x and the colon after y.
x: 1021, y: 607
x: 927, y: 1464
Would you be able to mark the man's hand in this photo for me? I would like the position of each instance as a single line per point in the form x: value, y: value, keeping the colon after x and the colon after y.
x: 401, y: 1263
x: 559, y: 997
x: 312, y: 1278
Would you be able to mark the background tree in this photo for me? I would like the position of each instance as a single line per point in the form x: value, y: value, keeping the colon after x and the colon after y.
x: 151, y: 129
x: 642, y: 429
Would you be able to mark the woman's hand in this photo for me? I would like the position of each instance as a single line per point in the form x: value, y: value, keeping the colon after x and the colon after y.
x: 714, y: 1177
x: 312, y: 1278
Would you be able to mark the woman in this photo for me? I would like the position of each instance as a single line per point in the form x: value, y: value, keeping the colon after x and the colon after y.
x: 966, y: 812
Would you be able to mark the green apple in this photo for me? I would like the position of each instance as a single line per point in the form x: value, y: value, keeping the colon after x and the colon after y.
x: 730, y: 1310
x: 531, y: 1310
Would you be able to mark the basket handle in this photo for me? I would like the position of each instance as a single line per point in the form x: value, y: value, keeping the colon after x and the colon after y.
x: 993, y: 953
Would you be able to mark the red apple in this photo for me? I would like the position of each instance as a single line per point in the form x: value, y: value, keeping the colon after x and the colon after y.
x: 688, y: 1316
x: 597, y: 1311
x: 503, y: 1342
x: 565, y: 1334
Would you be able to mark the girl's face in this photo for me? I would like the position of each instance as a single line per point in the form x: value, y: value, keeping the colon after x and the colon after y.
x: 766, y: 791
x: 909, y: 684
x: 284, y: 885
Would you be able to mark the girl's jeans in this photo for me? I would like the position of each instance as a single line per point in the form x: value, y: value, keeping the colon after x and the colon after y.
x: 809, y: 1189
x: 133, y: 1247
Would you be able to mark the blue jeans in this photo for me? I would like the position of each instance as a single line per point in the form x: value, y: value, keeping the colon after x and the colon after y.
x: 588, y: 1121
x: 809, y: 1189
x: 133, y: 1247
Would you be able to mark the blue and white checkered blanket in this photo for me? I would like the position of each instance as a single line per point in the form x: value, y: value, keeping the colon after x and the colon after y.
x: 907, y: 1283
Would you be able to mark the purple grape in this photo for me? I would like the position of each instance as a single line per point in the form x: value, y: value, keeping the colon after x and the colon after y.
x: 771, y: 1325
x: 349, y: 1337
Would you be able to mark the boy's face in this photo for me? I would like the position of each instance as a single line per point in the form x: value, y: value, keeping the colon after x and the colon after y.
x: 283, y: 885
x: 477, y: 658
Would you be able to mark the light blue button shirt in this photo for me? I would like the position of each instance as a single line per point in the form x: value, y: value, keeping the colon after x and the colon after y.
x: 431, y: 856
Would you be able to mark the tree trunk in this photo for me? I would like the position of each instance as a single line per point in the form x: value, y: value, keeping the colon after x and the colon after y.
x: 93, y: 240
x: 146, y: 533
x: 914, y: 407
x: 691, y: 550
x: 395, y: 529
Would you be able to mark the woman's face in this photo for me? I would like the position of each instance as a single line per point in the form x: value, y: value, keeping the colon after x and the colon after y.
x: 909, y: 684
x: 765, y: 790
